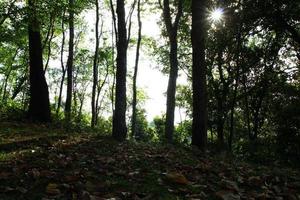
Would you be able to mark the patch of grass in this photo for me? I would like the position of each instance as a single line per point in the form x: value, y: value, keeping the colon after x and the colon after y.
x: 4, y: 156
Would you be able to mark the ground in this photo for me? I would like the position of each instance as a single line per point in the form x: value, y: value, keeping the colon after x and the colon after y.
x: 41, y: 162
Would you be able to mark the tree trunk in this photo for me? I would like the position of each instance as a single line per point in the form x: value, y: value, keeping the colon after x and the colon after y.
x: 220, y: 128
x: 171, y: 92
x: 7, y: 76
x: 51, y: 35
x: 19, y: 86
x: 70, y: 63
x: 95, y: 68
x: 100, y: 87
x: 235, y: 88
x: 172, y: 29
x: 113, y: 32
x: 199, y: 127
x: 134, y: 100
x: 62, y: 64
x: 4, y: 97
x: 246, y: 101
x: 39, y: 105
x: 119, y: 117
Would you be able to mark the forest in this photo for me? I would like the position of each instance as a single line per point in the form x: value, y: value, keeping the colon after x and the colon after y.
x: 150, y: 99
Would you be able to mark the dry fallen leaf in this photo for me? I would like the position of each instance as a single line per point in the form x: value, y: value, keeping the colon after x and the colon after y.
x: 176, y: 177
x: 52, y: 189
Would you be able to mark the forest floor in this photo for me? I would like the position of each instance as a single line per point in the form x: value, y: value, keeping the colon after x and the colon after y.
x: 39, y: 162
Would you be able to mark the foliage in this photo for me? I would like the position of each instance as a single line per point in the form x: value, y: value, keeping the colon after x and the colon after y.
x: 252, y: 75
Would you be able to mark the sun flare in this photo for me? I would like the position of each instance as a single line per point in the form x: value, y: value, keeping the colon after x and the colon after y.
x: 216, y: 15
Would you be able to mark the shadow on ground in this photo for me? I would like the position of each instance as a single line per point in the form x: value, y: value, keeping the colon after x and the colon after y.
x: 65, y: 166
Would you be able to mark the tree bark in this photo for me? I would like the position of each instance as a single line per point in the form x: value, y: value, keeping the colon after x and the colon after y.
x: 51, y: 36
x: 70, y: 63
x: 114, y: 31
x: 134, y: 100
x: 62, y: 63
x: 39, y: 105
x: 236, y: 84
x: 119, y: 118
x: 95, y: 68
x: 199, y: 127
x: 7, y: 76
x: 172, y: 29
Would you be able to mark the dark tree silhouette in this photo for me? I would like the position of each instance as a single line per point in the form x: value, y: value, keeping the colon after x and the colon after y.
x: 95, y: 68
x: 199, y: 127
x: 119, y: 118
x: 70, y: 62
x: 39, y: 106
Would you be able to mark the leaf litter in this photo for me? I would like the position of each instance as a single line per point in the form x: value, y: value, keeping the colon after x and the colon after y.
x: 93, y: 167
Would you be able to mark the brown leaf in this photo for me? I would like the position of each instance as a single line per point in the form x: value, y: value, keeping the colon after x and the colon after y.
x: 176, y: 177
x: 52, y: 189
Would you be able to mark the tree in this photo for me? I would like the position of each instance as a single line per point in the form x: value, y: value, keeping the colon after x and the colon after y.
x: 63, y: 69
x: 39, y: 105
x: 199, y: 127
x: 70, y: 62
x: 95, y: 67
x: 134, y: 98
x: 119, y: 119
x: 172, y: 31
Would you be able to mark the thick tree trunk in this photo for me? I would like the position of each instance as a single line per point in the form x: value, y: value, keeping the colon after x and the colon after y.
x: 70, y: 63
x: 39, y: 105
x: 119, y: 117
x: 199, y: 127
x: 95, y: 68
x: 134, y: 100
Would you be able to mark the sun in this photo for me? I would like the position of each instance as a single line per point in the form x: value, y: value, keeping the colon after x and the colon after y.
x: 216, y: 15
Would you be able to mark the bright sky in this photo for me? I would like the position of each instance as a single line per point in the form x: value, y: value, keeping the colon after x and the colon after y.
x: 153, y: 82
